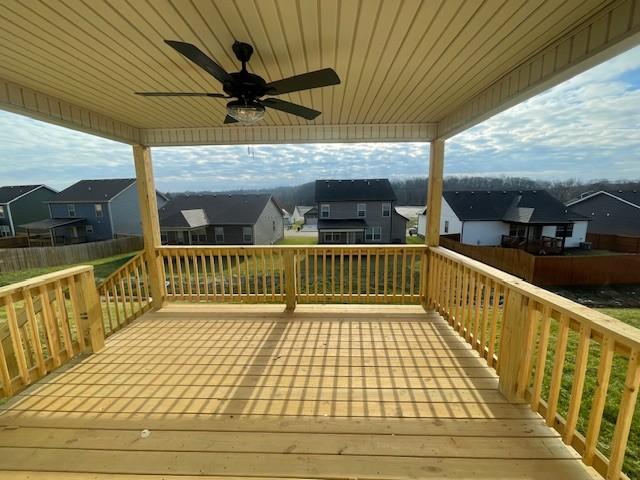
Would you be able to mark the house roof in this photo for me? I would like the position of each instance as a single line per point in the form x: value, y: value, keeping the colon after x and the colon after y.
x: 628, y: 196
x: 193, y: 211
x: 49, y: 223
x: 517, y: 206
x: 101, y: 190
x: 10, y: 192
x: 302, y: 209
x: 341, y: 224
x: 371, y: 189
x: 312, y: 211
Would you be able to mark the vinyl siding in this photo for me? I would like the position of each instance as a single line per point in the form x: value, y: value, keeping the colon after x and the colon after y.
x: 125, y: 211
x: 374, y: 218
x: 263, y: 231
x: 31, y: 207
x: 484, y: 233
x: 101, y: 225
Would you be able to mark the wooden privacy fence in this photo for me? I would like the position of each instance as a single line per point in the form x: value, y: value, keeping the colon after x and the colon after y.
x: 587, y: 270
x: 15, y: 259
x: 512, y: 260
x: 615, y: 243
x: 311, y: 274
x: 525, y: 333
x: 44, y: 322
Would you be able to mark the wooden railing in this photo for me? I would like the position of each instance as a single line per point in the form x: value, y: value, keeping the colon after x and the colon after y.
x: 44, y: 322
x: 291, y: 274
x: 125, y: 294
x: 542, y: 346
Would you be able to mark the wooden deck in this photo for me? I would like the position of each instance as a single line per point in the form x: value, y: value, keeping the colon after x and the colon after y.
x: 250, y: 391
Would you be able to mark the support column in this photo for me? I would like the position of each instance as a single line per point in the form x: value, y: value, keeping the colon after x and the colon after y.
x: 150, y: 224
x: 434, y: 193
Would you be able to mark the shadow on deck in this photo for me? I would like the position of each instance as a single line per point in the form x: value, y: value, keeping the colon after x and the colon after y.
x: 327, y: 392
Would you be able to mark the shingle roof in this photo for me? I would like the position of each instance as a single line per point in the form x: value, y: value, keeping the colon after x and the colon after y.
x: 519, y: 206
x: 190, y: 211
x: 352, y: 190
x: 93, y: 190
x: 631, y: 196
x: 11, y: 192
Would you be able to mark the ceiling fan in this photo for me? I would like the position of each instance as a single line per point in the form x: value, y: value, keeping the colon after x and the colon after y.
x: 247, y: 88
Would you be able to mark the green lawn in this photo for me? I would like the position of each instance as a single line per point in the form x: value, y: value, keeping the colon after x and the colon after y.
x: 103, y: 267
x: 415, y: 240
x: 299, y: 240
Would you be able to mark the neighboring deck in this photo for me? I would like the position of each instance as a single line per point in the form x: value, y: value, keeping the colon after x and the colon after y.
x: 328, y: 391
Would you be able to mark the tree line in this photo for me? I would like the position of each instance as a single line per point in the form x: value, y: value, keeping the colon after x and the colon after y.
x: 413, y: 191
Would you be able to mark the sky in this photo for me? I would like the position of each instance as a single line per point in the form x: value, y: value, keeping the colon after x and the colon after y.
x: 586, y: 128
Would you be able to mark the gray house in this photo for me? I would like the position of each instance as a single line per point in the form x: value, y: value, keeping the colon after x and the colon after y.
x: 92, y: 210
x: 21, y: 204
x: 613, y: 212
x: 221, y: 219
x: 358, y: 211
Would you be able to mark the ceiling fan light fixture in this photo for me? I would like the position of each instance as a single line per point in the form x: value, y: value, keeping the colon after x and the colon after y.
x: 245, y: 112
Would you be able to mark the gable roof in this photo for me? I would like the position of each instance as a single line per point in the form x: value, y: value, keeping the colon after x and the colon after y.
x: 101, y: 190
x: 302, y: 209
x: 517, y: 206
x: 631, y: 197
x: 193, y: 211
x: 11, y: 192
x: 372, y: 189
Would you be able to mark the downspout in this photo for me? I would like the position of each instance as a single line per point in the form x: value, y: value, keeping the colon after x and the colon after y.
x: 13, y: 229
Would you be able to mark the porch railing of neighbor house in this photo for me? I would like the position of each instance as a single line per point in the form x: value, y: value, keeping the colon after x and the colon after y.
x: 47, y: 320
x: 525, y: 333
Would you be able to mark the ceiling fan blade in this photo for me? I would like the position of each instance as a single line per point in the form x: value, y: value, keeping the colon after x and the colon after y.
x: 230, y: 119
x: 305, y: 81
x: 201, y: 59
x: 291, y: 108
x: 181, y: 94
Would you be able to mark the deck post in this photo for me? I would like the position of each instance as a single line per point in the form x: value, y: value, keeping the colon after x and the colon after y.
x: 512, y: 349
x: 93, y: 328
x: 150, y: 223
x: 434, y: 193
x: 289, y: 279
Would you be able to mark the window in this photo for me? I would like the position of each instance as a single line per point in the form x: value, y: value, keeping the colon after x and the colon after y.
x: 219, y: 234
x: 274, y: 225
x: 564, y: 230
x: 2, y: 214
x: 247, y: 234
x: 516, y: 230
x: 164, y: 238
x: 362, y: 210
x: 98, y: 209
x: 325, y: 210
x: 373, y: 234
x: 331, y: 237
x: 89, y: 229
x: 446, y: 226
x: 71, y: 210
x: 199, y: 236
x: 5, y: 231
x: 386, y: 209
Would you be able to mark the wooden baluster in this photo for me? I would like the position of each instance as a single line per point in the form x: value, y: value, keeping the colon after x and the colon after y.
x: 599, y: 400
x: 458, y: 296
x: 367, y: 287
x: 7, y: 385
x: 188, y: 277
x: 196, y: 275
x: 223, y: 292
x: 290, y: 279
x: 239, y: 273
x: 333, y: 273
x: 324, y: 274
x: 625, y: 417
x: 385, y: 274
x: 230, y: 273
x: 115, y: 301
x: 273, y: 275
x: 64, y: 319
x: 485, y: 316
x: 315, y: 275
x: 264, y: 277
x: 183, y: 289
x: 35, y: 332
x: 205, y: 277
x: 299, y: 289
x: 91, y: 304
x: 214, y: 288
x: 497, y: 292
x: 543, y: 346
x: 248, y: 275
x: 132, y: 303
x: 394, y: 275
x: 172, y: 282
x: 577, y: 387
x: 75, y: 311
x: 123, y: 296
x: 469, y: 311
x: 136, y: 279
x: 558, y: 367
x: 403, y: 274
x: 52, y: 332
x: 531, y: 328
x: 16, y: 340
x: 476, y: 317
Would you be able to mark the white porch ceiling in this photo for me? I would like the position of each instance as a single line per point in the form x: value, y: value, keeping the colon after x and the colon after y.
x: 410, y: 69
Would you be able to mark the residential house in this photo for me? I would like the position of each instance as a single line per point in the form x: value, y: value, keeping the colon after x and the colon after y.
x: 21, y: 204
x: 311, y: 217
x: 530, y: 219
x: 90, y: 211
x: 221, y: 219
x: 358, y: 211
x: 286, y: 218
x: 298, y: 213
x: 614, y: 212
x: 450, y: 224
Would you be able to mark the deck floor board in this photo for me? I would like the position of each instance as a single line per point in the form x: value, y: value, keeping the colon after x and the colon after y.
x: 241, y: 391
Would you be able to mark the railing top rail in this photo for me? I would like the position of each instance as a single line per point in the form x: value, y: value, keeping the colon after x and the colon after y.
x: 120, y: 268
x: 43, y: 279
x: 362, y: 246
x: 623, y: 333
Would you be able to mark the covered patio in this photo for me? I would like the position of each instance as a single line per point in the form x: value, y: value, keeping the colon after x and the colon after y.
x: 328, y: 361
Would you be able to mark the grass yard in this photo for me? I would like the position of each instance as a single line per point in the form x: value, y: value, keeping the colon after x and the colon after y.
x: 103, y: 267
x: 415, y: 240
x: 299, y: 240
